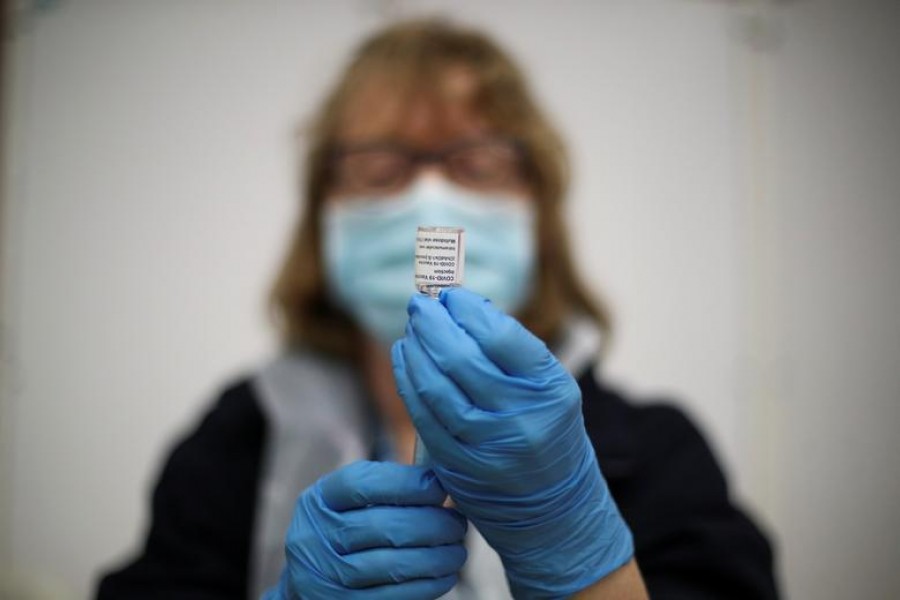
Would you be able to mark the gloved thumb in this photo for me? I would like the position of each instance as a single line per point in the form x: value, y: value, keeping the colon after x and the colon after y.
x: 503, y: 340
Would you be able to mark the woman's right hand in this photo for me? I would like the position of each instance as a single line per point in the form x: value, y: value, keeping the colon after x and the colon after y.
x: 372, y: 530
x: 501, y: 419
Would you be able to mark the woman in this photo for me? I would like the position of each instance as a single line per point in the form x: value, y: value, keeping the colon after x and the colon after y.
x: 433, y: 125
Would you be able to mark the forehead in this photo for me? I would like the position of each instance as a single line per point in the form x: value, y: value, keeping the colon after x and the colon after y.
x: 422, y: 113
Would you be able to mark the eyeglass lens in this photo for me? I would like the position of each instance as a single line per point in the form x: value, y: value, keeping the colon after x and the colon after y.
x: 479, y: 164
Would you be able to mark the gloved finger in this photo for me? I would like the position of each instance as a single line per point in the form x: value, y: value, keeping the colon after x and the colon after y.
x: 434, y: 434
x: 394, y: 565
x: 417, y: 589
x: 502, y: 338
x: 458, y: 355
x: 447, y: 402
x: 364, y: 483
x: 396, y: 527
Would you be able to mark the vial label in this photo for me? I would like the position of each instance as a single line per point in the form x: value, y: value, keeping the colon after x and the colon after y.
x: 440, y: 257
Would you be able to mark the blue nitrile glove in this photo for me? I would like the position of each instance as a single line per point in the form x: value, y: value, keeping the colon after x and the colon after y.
x: 501, y: 419
x: 372, y: 531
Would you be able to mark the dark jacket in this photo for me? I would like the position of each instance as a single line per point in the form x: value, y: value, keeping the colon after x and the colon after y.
x: 690, y: 540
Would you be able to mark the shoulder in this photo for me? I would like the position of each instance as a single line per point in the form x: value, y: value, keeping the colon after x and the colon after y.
x: 650, y: 436
x: 202, y: 507
x: 219, y: 458
x: 231, y: 428
x: 674, y: 450
x: 233, y: 420
x: 690, y: 539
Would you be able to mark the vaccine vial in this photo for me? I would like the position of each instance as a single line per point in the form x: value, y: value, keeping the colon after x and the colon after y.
x: 440, y: 258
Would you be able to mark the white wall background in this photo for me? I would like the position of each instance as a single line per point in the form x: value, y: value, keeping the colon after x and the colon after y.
x: 737, y: 198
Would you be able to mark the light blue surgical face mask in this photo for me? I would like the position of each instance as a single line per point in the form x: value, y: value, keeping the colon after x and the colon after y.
x: 369, y: 249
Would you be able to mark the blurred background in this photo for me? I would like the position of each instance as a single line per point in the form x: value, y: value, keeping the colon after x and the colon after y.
x: 736, y: 198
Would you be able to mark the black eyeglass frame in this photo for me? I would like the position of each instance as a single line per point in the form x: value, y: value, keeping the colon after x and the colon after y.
x: 415, y: 159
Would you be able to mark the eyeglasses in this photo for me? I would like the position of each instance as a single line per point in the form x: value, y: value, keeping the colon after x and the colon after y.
x: 385, y: 167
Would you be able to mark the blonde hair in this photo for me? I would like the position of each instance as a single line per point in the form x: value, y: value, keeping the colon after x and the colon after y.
x: 412, y: 56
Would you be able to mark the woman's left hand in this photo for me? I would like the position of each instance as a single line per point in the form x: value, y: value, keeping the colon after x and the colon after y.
x: 372, y: 531
x: 501, y: 419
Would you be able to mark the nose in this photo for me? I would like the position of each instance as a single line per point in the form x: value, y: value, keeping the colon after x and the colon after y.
x: 429, y: 172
